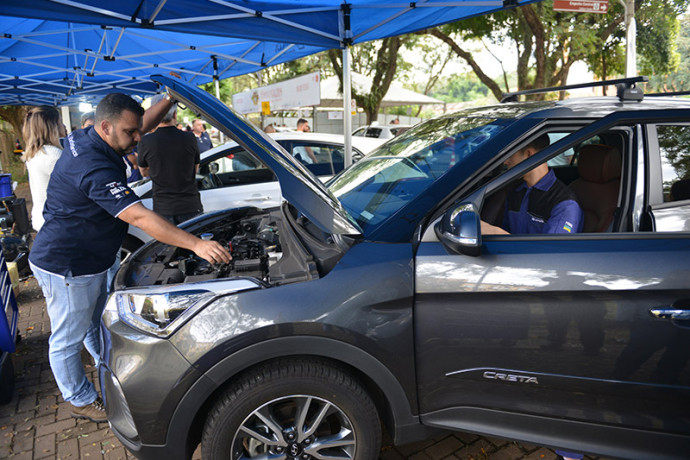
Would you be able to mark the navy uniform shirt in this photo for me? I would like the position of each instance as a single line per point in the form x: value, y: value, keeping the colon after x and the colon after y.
x: 547, y: 207
x: 86, y: 192
x: 204, y: 141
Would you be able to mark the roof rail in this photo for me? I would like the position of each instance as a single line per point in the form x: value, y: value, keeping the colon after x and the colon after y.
x: 672, y: 93
x: 626, y: 87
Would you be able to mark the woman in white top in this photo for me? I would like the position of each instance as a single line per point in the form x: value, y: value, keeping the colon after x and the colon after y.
x: 42, y: 131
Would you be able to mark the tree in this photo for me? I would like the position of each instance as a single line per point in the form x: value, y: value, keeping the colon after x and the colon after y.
x: 377, y: 59
x: 308, y: 64
x: 678, y: 80
x: 460, y: 88
x: 430, y: 61
x: 548, y: 43
x: 14, y: 115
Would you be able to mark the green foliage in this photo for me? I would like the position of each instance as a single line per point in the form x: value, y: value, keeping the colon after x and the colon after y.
x: 673, y: 143
x: 547, y: 43
x: 461, y: 88
x: 657, y: 30
x: 308, y: 64
x: 679, y: 79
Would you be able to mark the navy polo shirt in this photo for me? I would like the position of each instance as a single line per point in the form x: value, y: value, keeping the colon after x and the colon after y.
x: 204, y: 141
x: 86, y: 192
x: 547, y: 207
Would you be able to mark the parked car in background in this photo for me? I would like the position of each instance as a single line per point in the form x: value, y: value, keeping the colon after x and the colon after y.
x: 377, y: 303
x: 229, y: 176
x: 380, y: 131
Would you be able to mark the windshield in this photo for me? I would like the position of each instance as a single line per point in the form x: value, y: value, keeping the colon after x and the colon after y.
x: 384, y: 181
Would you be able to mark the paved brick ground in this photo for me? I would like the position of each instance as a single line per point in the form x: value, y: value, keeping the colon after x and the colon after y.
x: 36, y: 423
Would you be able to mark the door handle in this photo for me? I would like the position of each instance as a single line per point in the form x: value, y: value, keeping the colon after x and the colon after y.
x: 675, y: 314
x: 258, y: 198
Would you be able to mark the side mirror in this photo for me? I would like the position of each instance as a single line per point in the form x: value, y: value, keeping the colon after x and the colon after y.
x: 213, y: 167
x: 460, y: 230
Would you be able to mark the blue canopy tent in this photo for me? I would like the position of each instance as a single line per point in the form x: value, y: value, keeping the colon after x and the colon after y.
x: 63, y: 63
x: 323, y: 24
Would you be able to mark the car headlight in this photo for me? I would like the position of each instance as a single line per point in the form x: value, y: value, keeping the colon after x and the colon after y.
x: 157, y: 313
x: 162, y: 311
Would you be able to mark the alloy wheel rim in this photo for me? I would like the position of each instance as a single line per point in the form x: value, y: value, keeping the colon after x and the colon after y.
x: 295, y: 427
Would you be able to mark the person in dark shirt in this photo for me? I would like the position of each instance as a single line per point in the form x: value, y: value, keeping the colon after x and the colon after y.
x: 170, y: 157
x: 87, y: 212
x: 202, y: 137
x: 542, y: 203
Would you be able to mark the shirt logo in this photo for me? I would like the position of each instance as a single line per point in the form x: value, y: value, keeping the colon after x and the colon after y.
x: 568, y: 227
x: 72, y: 147
x: 117, y: 189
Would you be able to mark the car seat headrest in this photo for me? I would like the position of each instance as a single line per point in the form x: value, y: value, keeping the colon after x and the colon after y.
x: 599, y: 163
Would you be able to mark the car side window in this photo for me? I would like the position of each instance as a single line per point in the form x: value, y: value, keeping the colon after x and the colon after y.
x: 674, y: 148
x: 373, y: 132
x: 673, y: 213
x: 590, y: 177
x: 320, y: 159
x: 237, y: 167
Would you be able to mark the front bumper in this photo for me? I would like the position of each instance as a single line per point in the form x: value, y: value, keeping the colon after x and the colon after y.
x: 142, y: 380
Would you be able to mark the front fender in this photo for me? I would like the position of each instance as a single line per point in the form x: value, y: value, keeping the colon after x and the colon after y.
x: 402, y: 423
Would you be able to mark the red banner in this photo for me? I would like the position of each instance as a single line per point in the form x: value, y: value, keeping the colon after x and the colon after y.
x: 581, y: 6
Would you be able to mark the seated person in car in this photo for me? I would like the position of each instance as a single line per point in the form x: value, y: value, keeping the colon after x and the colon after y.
x: 541, y: 204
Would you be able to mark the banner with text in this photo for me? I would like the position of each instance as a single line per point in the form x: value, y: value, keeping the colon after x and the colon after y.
x: 298, y: 92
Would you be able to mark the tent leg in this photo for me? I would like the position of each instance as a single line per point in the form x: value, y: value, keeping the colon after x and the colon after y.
x: 222, y: 137
x: 630, y: 39
x: 347, y: 106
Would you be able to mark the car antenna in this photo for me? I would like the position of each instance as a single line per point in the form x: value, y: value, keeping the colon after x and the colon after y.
x: 627, y: 89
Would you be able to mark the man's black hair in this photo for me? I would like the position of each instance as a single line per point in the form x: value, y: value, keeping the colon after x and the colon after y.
x: 111, y: 107
x: 301, y: 121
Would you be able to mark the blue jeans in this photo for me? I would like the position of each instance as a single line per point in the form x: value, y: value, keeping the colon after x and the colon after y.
x: 112, y: 271
x: 74, y: 305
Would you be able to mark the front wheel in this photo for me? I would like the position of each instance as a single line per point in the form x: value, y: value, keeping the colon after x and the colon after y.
x: 293, y: 409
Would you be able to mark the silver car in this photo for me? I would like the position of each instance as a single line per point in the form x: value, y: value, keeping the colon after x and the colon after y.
x: 231, y: 177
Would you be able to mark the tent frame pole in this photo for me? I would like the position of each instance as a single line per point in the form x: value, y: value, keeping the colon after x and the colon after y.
x: 216, y: 81
x: 347, y: 106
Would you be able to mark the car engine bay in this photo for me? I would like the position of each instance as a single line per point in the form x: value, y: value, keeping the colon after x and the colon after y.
x: 264, y: 246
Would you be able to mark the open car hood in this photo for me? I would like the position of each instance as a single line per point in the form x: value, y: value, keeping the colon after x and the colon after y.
x: 299, y: 187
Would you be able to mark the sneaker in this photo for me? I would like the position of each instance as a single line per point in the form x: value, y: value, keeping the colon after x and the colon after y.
x: 94, y: 411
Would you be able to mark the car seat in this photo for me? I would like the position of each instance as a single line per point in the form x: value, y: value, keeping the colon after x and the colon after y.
x: 598, y: 185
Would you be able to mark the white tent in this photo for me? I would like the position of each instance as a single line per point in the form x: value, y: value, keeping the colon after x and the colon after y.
x: 396, y: 95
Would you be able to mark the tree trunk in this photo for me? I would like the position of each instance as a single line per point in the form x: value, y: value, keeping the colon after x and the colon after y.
x: 533, y: 22
x: 488, y: 81
x: 384, y: 72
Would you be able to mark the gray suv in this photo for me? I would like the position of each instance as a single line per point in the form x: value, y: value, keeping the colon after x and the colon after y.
x: 376, y: 303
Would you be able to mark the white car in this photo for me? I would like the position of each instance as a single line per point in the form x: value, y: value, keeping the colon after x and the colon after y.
x: 380, y: 131
x: 230, y: 177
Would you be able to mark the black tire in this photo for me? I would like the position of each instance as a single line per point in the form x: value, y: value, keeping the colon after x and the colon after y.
x: 348, y: 428
x: 6, y: 380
